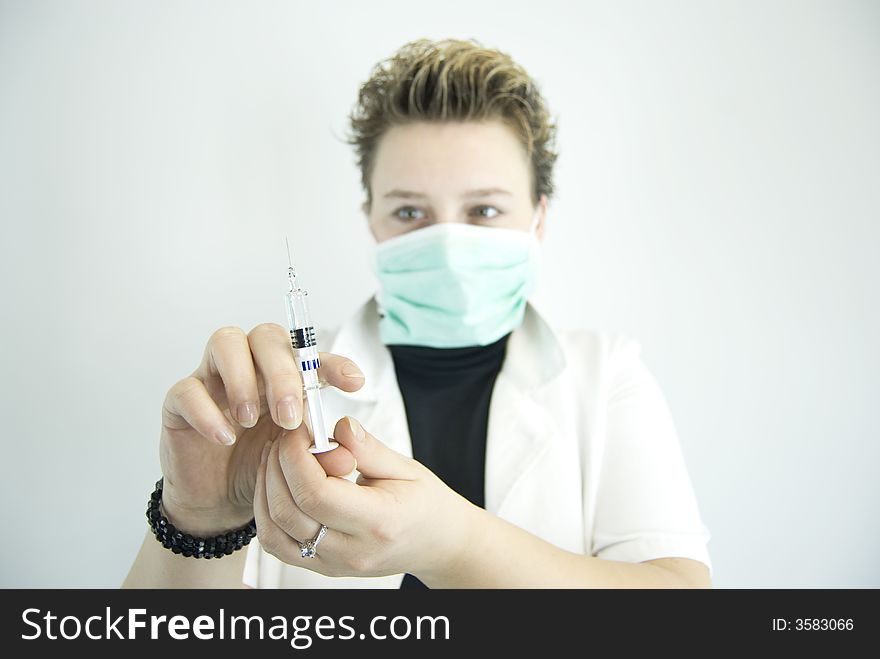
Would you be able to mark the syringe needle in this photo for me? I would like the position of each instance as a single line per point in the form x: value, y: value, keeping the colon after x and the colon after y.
x: 291, y: 273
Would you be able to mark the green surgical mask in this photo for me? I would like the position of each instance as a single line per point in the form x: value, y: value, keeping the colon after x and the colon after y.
x: 451, y: 285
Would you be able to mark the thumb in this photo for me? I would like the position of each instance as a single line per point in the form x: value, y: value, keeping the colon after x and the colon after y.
x: 374, y: 459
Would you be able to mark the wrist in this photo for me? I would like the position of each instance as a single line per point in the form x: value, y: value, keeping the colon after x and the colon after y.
x: 195, y: 543
x: 204, y: 521
x: 464, y: 532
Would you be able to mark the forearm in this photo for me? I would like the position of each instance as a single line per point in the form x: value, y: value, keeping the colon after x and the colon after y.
x: 501, y: 555
x: 158, y: 567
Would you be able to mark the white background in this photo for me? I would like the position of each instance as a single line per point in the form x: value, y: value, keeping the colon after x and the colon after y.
x: 718, y: 199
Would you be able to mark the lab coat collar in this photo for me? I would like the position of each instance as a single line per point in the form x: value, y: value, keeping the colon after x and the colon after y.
x: 534, y: 354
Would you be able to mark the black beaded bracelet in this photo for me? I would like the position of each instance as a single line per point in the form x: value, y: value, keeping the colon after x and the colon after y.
x: 188, y: 545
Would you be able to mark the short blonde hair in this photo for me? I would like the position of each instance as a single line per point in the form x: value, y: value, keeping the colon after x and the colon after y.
x: 453, y: 80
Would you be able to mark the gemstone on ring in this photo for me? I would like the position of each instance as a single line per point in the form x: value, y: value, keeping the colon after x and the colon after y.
x: 309, y: 548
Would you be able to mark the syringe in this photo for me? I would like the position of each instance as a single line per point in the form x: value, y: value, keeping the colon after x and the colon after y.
x: 302, y: 340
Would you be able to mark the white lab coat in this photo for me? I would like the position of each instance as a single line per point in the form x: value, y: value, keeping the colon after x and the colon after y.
x: 581, y: 449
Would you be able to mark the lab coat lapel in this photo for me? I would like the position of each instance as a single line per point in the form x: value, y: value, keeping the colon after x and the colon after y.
x: 378, y: 405
x: 387, y: 421
x: 521, y: 427
x: 514, y: 439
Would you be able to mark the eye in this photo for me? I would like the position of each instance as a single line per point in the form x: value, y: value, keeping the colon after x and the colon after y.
x: 488, y: 217
x: 408, y: 217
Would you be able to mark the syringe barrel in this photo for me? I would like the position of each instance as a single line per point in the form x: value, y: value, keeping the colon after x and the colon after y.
x: 297, y: 310
x: 305, y: 347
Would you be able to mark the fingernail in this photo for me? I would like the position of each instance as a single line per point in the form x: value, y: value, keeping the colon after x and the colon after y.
x: 247, y: 414
x: 225, y: 436
x: 351, y: 371
x: 286, y: 413
x: 357, y: 429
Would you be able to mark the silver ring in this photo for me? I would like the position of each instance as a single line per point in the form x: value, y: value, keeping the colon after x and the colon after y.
x: 309, y: 548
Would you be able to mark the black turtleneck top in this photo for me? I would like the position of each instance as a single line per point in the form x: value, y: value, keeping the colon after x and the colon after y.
x: 446, y: 393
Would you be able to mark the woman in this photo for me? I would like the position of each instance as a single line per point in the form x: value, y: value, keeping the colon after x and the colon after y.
x: 483, y: 448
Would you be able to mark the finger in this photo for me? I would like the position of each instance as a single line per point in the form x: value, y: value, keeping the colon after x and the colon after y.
x: 274, y: 540
x: 270, y: 346
x: 271, y: 537
x: 282, y: 508
x: 340, y: 371
x: 374, y: 459
x: 338, y: 462
x: 228, y: 356
x: 188, y: 404
x: 337, y: 502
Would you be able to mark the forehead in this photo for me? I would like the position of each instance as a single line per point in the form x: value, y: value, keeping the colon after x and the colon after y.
x: 447, y: 157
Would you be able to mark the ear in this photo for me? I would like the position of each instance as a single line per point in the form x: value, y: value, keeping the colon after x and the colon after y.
x: 542, y: 217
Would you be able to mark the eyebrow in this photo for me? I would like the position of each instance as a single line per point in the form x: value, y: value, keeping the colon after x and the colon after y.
x: 482, y: 192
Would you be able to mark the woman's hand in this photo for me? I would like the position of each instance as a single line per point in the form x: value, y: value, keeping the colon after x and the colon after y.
x: 215, y: 423
x: 398, y: 517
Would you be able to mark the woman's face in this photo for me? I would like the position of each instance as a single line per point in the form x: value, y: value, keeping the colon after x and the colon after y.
x: 468, y: 172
